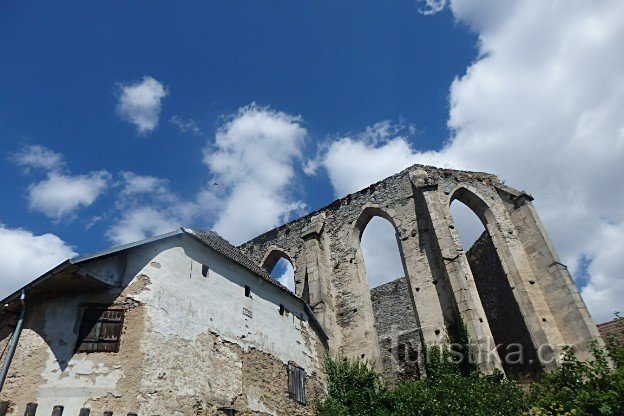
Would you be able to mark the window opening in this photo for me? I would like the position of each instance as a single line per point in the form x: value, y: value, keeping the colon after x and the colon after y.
x: 297, y: 383
x: 380, y: 249
x: 100, y: 330
x: 284, y: 272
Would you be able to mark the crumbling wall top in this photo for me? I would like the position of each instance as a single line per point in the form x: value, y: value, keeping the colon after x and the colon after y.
x: 418, y: 175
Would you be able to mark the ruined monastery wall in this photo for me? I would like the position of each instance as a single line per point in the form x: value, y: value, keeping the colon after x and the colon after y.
x: 397, y: 331
x: 324, y: 248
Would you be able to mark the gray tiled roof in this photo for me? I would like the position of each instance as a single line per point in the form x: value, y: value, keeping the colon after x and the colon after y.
x: 222, y: 246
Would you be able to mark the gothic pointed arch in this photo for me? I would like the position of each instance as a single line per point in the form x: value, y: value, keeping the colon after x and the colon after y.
x: 496, y: 292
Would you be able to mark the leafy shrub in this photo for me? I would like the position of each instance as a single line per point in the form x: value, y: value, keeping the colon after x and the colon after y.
x: 615, y: 344
x: 594, y: 387
x: 455, y: 394
x: 455, y: 388
x: 581, y: 388
x: 354, y: 389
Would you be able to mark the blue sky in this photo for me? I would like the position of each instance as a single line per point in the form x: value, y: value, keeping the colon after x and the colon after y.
x: 345, y: 93
x: 341, y: 66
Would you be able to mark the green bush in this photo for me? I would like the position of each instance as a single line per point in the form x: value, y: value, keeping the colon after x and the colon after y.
x: 577, y: 387
x: 615, y: 344
x: 456, y: 388
x: 354, y: 389
x: 455, y: 394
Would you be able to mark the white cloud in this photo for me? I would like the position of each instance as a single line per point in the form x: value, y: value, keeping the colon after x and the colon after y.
x: 140, y: 103
x: 353, y: 165
x: 186, y: 125
x: 604, y: 293
x: 432, y: 6
x: 60, y: 196
x: 284, y: 273
x: 25, y: 256
x: 469, y: 226
x: 356, y: 161
x: 542, y: 108
x: 134, y: 184
x: 252, y: 163
x: 146, y: 207
x: 138, y: 223
x: 37, y: 156
x: 381, y: 253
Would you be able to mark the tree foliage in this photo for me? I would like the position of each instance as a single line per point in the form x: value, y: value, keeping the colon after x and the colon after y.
x: 454, y: 388
x: 355, y: 389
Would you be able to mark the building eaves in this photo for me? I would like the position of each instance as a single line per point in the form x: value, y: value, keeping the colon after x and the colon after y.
x: 75, y: 261
x: 62, y: 269
x: 117, y: 249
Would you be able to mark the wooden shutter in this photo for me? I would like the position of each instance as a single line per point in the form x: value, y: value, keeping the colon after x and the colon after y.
x: 296, y: 383
x: 100, y: 330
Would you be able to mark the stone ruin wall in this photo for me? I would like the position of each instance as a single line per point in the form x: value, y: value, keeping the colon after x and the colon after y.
x: 398, y: 334
x: 324, y: 248
x: 501, y: 310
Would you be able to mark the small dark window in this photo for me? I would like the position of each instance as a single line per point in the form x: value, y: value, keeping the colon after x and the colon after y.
x: 297, y: 383
x: 247, y: 291
x: 282, y: 309
x: 100, y: 330
x: 205, y: 270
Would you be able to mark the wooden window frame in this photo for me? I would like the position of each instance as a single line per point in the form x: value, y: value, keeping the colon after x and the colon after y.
x: 100, y: 329
x: 297, y: 383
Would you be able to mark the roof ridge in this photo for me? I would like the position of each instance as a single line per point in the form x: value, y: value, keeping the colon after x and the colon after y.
x: 214, y: 240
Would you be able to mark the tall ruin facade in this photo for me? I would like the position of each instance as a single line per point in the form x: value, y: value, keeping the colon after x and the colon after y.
x: 510, y: 288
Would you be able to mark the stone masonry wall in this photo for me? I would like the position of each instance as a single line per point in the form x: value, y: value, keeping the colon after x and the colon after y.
x: 324, y: 248
x: 397, y: 330
x: 502, y: 312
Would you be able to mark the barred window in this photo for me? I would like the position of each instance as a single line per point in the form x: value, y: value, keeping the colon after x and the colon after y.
x: 297, y: 383
x: 100, y: 330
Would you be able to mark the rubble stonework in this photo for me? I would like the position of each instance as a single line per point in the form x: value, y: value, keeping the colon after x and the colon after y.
x: 398, y: 332
x: 324, y: 248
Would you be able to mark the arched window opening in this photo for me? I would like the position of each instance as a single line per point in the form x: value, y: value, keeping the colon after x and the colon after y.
x: 397, y: 328
x: 381, y: 253
x: 284, y: 272
x: 469, y: 226
x: 501, y: 309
